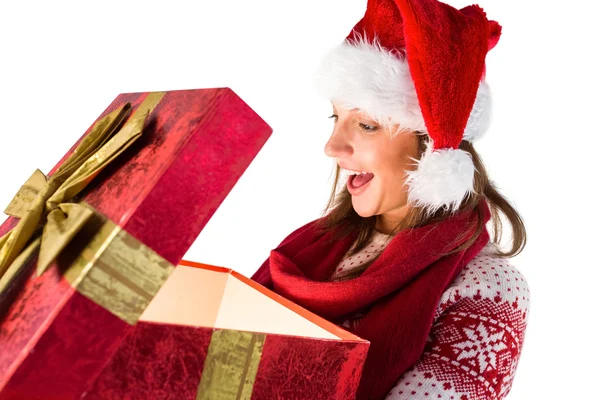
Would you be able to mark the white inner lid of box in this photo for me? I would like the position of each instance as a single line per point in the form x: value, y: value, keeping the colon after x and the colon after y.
x: 202, y: 297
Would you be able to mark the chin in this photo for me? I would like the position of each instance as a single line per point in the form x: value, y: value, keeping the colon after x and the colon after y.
x: 364, y: 214
x: 362, y: 210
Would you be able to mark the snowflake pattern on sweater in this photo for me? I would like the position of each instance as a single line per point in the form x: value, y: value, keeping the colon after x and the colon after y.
x: 477, y: 336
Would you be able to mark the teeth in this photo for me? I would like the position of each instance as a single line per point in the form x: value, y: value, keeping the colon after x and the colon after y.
x: 353, y: 172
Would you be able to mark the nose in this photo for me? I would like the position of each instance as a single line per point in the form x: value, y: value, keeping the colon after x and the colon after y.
x: 338, y: 144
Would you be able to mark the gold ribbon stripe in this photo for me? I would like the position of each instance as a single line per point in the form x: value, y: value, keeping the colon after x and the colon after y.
x: 115, y: 270
x: 231, y: 365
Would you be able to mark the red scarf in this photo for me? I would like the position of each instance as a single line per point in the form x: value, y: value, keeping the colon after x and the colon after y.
x: 400, y: 290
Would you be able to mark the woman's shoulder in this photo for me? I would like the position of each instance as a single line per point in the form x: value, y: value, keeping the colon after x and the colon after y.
x: 477, y: 336
x: 489, y: 284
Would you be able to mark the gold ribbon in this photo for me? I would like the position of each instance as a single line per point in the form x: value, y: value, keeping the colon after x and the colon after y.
x: 113, y: 269
x: 231, y: 365
x: 45, y: 202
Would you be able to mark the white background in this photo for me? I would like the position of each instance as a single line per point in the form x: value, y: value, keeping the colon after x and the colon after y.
x: 63, y: 62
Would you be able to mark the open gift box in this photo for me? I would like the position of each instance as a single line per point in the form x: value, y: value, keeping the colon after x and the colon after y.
x: 212, y: 333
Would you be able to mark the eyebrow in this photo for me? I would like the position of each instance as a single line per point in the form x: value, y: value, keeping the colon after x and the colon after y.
x: 365, y: 115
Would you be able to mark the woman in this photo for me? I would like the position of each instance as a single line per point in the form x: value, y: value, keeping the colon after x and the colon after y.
x: 402, y: 256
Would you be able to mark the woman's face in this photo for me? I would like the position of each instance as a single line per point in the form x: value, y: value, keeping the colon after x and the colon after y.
x: 360, y: 144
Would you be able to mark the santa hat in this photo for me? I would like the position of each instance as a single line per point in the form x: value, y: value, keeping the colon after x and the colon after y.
x: 419, y: 64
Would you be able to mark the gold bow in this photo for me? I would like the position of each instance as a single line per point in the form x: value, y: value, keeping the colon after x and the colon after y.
x: 43, y: 201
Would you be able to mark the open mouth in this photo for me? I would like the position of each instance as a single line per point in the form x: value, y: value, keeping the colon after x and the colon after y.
x: 358, y: 179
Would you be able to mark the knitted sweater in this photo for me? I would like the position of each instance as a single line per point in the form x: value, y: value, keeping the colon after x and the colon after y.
x: 477, y: 335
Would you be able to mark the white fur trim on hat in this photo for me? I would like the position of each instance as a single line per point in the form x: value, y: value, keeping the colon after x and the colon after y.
x: 365, y: 75
x: 481, y: 114
x: 442, y: 179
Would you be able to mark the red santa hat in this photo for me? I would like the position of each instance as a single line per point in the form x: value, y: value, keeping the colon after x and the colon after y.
x: 419, y: 64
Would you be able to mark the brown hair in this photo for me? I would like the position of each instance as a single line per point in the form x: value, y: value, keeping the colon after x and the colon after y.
x: 339, y: 212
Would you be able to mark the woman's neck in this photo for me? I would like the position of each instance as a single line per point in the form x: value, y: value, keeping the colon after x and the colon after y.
x: 386, y: 222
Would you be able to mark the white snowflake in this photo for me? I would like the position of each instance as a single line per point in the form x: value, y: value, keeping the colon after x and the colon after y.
x: 482, y: 345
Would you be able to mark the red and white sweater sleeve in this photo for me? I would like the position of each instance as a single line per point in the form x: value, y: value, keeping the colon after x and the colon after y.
x: 475, y: 342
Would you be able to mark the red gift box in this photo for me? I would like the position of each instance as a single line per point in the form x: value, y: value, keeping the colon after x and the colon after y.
x: 211, y: 333
x: 60, y: 329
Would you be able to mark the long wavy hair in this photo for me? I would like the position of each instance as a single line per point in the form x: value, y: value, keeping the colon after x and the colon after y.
x: 339, y: 212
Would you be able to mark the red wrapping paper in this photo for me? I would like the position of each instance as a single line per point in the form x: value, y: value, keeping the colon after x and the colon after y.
x: 166, y: 361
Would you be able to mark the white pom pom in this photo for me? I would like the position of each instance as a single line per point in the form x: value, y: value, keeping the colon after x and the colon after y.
x: 443, y: 178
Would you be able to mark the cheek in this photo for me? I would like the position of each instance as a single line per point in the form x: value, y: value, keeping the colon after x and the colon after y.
x: 392, y: 175
x: 390, y: 160
x: 393, y: 184
x: 391, y: 167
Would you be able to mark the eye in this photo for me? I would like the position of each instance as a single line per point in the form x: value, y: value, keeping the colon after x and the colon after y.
x: 368, y: 128
x: 334, y: 117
